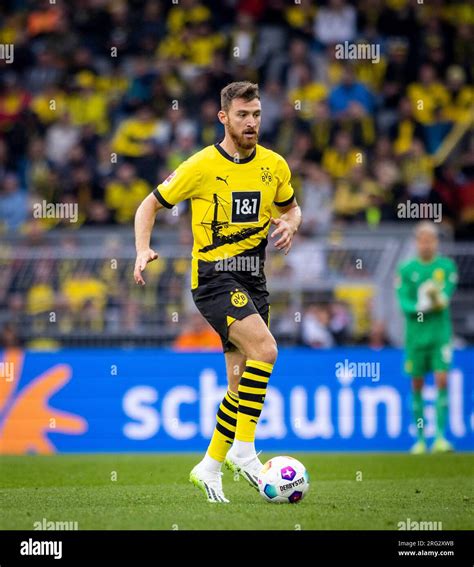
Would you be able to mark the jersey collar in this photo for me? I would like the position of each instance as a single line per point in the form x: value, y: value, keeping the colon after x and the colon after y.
x: 230, y: 158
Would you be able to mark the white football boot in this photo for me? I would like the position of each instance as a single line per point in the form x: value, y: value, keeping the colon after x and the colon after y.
x: 210, y: 482
x: 249, y: 467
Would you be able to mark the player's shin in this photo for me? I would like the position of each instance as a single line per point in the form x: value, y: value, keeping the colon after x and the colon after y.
x: 417, y: 401
x: 252, y: 391
x: 441, y: 411
x: 224, y: 432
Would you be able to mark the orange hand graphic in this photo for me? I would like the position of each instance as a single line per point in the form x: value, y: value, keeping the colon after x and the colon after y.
x: 29, y: 418
x: 8, y: 384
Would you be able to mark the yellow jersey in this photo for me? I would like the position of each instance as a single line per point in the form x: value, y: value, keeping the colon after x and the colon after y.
x: 231, y: 202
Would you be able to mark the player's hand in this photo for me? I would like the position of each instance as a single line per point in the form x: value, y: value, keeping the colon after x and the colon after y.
x: 440, y: 301
x: 286, y: 232
x: 143, y: 258
x: 432, y: 291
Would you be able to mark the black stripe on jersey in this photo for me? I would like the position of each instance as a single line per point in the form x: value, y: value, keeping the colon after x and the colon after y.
x: 237, y: 161
x: 162, y: 200
x: 235, y: 237
x: 225, y: 431
x: 285, y: 203
x: 249, y: 411
x: 230, y: 420
x: 256, y: 371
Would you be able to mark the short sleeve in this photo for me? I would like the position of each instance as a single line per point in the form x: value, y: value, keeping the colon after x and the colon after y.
x: 285, y: 193
x: 406, y: 299
x: 180, y: 185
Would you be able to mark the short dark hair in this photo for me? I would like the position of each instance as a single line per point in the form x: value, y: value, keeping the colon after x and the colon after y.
x: 240, y: 89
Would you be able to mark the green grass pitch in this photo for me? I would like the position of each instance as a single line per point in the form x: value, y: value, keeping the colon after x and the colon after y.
x: 152, y: 492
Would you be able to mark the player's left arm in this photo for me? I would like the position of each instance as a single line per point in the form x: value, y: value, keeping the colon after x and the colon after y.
x: 444, y: 295
x: 290, y: 218
x: 287, y: 224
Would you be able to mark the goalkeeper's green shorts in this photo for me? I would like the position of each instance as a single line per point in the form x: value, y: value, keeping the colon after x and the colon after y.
x: 420, y: 361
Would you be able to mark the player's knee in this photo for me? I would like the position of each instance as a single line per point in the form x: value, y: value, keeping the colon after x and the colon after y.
x: 268, y: 351
x: 417, y: 384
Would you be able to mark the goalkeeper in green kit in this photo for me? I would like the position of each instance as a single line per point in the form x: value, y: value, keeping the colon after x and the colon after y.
x: 425, y: 286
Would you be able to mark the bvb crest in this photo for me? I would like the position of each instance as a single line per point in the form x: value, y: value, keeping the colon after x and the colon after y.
x: 266, y: 175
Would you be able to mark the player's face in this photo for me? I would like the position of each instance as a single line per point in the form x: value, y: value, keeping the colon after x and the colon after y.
x: 243, y: 122
x: 427, y: 244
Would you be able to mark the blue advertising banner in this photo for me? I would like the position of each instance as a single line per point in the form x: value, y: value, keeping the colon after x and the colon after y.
x: 351, y: 399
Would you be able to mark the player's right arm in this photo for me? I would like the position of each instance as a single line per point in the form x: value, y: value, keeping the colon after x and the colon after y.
x: 182, y: 184
x: 144, y: 221
x: 408, y: 302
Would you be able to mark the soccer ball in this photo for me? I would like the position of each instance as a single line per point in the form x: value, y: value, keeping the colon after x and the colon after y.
x: 283, y: 479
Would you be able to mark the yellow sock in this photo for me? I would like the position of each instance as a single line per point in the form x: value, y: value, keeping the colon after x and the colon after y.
x: 252, y: 390
x: 224, y: 432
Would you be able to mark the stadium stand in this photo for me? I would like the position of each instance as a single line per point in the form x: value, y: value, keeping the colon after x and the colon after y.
x: 105, y: 98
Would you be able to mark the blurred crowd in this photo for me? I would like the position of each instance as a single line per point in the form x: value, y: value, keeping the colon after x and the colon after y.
x: 64, y: 292
x: 48, y: 301
x: 104, y: 98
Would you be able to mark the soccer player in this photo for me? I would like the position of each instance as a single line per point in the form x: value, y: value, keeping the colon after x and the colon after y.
x: 232, y: 186
x: 425, y: 287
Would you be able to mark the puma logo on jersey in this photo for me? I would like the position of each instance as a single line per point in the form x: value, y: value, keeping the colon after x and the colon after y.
x: 222, y: 179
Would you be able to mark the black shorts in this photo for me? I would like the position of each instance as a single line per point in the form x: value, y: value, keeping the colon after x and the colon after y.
x: 231, y: 300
